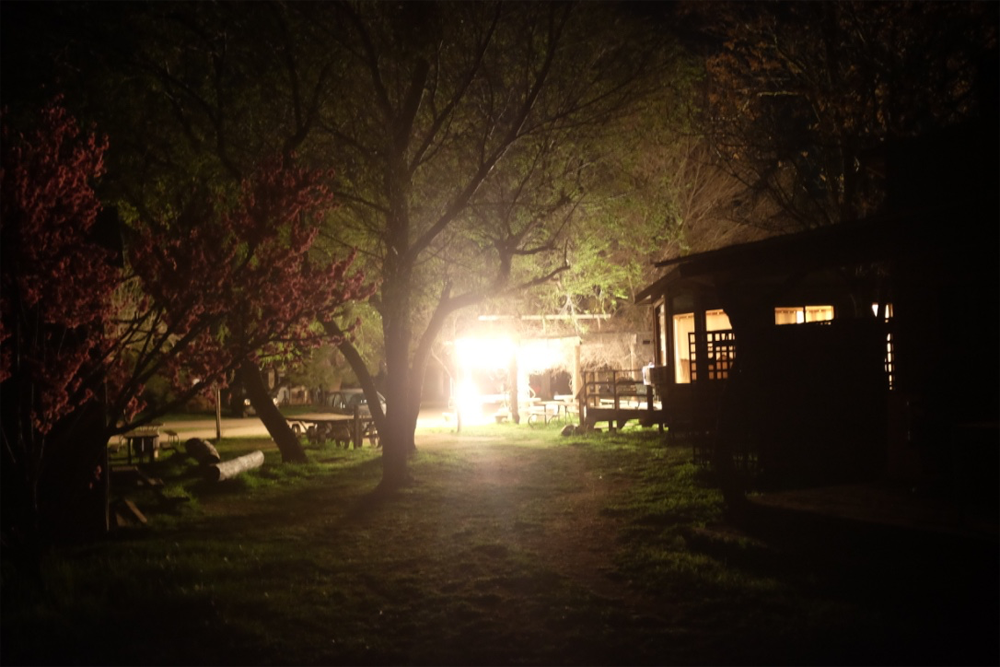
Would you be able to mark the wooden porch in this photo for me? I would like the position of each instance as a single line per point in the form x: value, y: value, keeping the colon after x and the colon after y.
x: 618, y: 396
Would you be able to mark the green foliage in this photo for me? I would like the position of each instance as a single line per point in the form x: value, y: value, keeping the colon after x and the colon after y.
x: 322, y: 367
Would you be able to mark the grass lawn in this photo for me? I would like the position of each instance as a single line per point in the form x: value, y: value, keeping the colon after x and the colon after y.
x: 513, y: 546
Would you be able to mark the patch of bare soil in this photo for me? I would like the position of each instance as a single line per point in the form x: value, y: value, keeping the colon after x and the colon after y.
x: 580, y: 543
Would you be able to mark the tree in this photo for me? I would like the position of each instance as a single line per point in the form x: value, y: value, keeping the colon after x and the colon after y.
x: 228, y: 284
x: 81, y: 332
x: 799, y: 95
x: 463, y: 137
x: 164, y: 66
x: 468, y: 169
x: 55, y: 301
x: 657, y: 194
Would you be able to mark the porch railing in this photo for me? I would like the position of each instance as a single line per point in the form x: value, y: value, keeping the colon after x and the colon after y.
x: 616, y: 389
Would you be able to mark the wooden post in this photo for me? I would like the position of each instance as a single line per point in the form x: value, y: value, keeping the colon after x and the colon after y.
x: 356, y: 433
x: 613, y: 424
x: 651, y: 409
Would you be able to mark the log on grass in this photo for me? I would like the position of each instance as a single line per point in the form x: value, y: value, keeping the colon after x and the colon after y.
x: 233, y: 467
x: 202, y: 451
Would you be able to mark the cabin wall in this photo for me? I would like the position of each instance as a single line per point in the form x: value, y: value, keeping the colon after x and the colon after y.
x: 817, y: 396
x: 808, y: 399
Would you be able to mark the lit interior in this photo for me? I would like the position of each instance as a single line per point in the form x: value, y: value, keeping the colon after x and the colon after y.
x: 661, y: 318
x: 477, y: 361
x: 481, y: 379
x: 715, y: 320
x: 683, y: 325
x: 802, y: 314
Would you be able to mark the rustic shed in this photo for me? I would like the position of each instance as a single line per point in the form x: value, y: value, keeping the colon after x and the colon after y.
x: 847, y: 353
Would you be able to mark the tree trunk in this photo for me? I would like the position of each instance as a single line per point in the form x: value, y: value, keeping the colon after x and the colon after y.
x: 357, y: 365
x: 397, y: 441
x: 202, y: 451
x: 396, y: 426
x: 74, y: 481
x: 396, y: 447
x: 288, y: 444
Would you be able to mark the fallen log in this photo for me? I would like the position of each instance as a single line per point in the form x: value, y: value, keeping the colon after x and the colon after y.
x: 233, y: 467
x: 202, y: 451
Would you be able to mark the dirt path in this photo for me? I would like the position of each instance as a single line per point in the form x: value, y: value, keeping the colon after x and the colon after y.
x: 582, y: 544
x: 579, y: 542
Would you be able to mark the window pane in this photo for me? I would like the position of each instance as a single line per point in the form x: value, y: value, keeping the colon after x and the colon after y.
x: 800, y: 314
x: 717, y: 320
x: 787, y: 315
x: 819, y: 313
x: 683, y: 325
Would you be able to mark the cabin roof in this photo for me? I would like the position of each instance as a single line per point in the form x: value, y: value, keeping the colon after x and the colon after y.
x: 814, y: 249
x: 845, y: 244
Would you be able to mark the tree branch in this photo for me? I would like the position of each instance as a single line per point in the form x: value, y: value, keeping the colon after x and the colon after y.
x: 462, y: 199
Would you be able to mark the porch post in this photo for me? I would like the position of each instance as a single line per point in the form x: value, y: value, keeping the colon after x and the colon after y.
x: 700, y: 364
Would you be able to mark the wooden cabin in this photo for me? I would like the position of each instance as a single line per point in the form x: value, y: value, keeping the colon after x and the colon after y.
x: 863, y: 351
x: 770, y: 345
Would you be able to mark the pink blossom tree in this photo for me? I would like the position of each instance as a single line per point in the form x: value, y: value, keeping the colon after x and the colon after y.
x: 56, y: 300
x: 197, y: 295
x: 224, y: 284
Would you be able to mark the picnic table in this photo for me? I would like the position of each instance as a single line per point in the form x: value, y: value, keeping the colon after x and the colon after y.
x: 343, y: 429
x: 143, y: 440
x: 548, y: 411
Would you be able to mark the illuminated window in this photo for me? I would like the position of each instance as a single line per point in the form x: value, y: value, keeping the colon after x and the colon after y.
x: 661, y: 335
x: 683, y: 325
x: 715, y: 320
x: 800, y: 314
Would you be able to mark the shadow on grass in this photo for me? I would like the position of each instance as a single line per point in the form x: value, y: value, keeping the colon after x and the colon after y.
x: 379, y: 497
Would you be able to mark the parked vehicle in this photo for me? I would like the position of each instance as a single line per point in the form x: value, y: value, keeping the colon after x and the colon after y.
x: 344, y: 401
